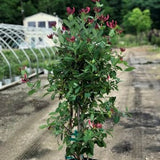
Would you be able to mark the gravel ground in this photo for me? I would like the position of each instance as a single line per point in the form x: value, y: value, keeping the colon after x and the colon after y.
x: 135, y: 138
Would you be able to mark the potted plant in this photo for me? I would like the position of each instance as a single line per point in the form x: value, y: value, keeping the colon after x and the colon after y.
x: 1, y: 76
x: 27, y: 67
x: 7, y: 77
x: 84, y: 72
x: 16, y: 71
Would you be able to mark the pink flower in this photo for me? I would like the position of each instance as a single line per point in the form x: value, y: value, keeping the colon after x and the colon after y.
x: 108, y: 77
x: 53, y: 24
x: 112, y: 24
x: 49, y: 127
x: 121, y: 58
x: 98, y: 125
x: 109, y: 42
x: 103, y: 18
x: 64, y: 28
x: 119, y: 31
x: 90, y: 123
x: 95, y: 0
x: 25, y: 78
x: 68, y: 39
x: 50, y: 36
x: 93, y: 125
x: 72, y: 39
x: 96, y: 9
x: 86, y: 10
x: 70, y: 11
x: 90, y: 20
x: 122, y: 49
x: 112, y: 110
x: 96, y: 26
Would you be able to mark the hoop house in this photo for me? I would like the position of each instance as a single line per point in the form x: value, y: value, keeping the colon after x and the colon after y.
x: 23, y: 46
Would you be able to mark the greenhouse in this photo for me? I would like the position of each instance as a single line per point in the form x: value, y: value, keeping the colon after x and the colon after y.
x: 23, y: 46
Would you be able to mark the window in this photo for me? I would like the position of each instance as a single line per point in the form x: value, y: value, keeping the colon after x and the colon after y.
x: 33, y: 39
x: 40, y: 39
x: 31, y: 24
x: 51, y: 23
x: 42, y: 24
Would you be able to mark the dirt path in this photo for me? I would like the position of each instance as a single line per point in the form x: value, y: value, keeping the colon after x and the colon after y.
x: 135, y: 138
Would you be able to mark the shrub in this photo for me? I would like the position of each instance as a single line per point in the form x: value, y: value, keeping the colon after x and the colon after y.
x: 84, y: 72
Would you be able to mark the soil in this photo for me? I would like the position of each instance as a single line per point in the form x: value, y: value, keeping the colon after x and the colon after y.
x: 134, y: 138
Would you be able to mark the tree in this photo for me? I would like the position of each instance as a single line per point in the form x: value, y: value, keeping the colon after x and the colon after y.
x: 83, y: 72
x: 152, y: 5
x: 9, y: 12
x: 29, y: 8
x: 137, y: 21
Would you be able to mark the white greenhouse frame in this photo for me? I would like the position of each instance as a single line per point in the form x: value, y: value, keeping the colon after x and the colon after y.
x: 19, y: 37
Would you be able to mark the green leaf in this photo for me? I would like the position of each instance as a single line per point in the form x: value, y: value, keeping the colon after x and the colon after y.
x: 23, y: 72
x: 114, y: 60
x: 112, y: 99
x: 52, y: 113
x: 92, y: 117
x: 77, y: 90
x: 38, y: 84
x: 111, y: 33
x: 55, y: 41
x: 129, y: 69
x: 61, y: 39
x: 53, y: 96
x: 119, y: 68
x: 87, y: 95
x: 88, y: 134
x: 32, y: 91
x: 66, y: 23
x: 101, y: 143
x: 68, y: 58
x: 60, y: 147
x: 116, y: 118
x: 29, y: 84
x: 45, y: 94
x: 43, y: 126
x: 98, y: 4
x: 70, y: 17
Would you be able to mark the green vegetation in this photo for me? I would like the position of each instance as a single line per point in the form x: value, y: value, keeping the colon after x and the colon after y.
x: 137, y: 21
x: 16, y: 66
x: 13, y: 11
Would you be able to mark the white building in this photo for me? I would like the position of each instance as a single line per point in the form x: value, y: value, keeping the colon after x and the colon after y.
x: 42, y: 20
x: 43, y: 23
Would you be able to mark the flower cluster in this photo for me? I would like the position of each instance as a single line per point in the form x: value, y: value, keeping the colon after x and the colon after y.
x: 70, y: 11
x: 86, y: 10
x: 103, y: 18
x: 95, y: 0
x: 111, y: 24
x: 24, y: 78
x: 72, y: 39
x: 97, y: 9
x: 94, y: 125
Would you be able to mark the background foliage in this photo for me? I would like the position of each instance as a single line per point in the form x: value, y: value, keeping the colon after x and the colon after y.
x: 13, y: 11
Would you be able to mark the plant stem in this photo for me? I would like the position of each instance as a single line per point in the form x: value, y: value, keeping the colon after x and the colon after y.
x: 78, y: 117
x: 71, y: 115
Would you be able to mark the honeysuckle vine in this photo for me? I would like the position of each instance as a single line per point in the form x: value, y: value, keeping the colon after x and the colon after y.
x: 82, y: 76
